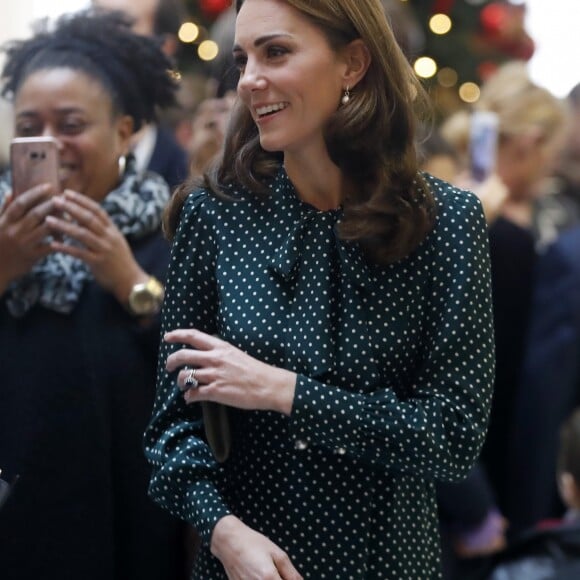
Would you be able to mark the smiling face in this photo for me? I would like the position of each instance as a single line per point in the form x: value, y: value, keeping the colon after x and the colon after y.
x: 291, y: 80
x: 77, y: 111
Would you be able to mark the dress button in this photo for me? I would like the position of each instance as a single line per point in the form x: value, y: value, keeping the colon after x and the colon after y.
x: 341, y: 451
x: 300, y: 445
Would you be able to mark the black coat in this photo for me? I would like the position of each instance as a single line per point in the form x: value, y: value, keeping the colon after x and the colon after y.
x: 168, y: 158
x: 76, y: 392
x: 513, y: 259
x: 550, y: 383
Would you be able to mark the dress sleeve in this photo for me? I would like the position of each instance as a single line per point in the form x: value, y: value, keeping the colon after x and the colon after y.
x: 184, y: 469
x: 437, y: 431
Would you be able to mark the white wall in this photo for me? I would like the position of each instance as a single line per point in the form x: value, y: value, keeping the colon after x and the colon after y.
x: 14, y: 23
x: 555, y: 27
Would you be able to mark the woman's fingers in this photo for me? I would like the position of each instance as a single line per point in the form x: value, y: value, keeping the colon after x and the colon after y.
x: 193, y: 378
x: 190, y: 357
x: 246, y: 553
x: 88, y: 238
x: 35, y: 219
x: 285, y: 567
x: 230, y: 376
x: 38, y: 236
x: 23, y: 203
x: 88, y: 218
x: 85, y: 222
x: 195, y: 338
x: 82, y: 202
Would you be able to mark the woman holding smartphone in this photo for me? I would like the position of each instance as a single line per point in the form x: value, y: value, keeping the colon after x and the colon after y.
x: 80, y: 289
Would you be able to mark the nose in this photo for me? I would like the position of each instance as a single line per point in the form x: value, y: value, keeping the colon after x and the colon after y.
x: 50, y: 132
x: 252, y: 78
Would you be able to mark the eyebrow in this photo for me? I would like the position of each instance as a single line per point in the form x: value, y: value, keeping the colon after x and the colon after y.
x: 261, y: 40
x: 64, y: 110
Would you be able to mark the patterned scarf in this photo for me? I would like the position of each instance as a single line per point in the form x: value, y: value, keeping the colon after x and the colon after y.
x: 56, y: 282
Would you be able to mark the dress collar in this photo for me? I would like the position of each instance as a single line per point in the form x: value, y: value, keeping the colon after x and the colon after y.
x: 286, y: 258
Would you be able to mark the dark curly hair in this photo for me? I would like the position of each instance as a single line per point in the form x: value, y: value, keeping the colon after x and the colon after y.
x: 372, y: 139
x: 132, y: 68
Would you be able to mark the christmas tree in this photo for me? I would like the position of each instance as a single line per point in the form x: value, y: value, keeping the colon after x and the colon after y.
x: 461, y: 43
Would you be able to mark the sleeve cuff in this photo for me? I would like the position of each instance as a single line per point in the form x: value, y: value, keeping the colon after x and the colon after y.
x: 328, y: 416
x: 209, y: 509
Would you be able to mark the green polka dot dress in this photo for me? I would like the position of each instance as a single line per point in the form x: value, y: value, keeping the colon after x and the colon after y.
x: 395, y: 366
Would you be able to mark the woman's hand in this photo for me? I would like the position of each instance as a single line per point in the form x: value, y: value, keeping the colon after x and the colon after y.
x: 228, y: 375
x: 484, y: 540
x: 101, y: 245
x: 248, y: 555
x: 24, y: 232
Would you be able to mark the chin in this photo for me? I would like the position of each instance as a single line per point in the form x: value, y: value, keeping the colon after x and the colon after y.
x: 271, y: 142
x: 269, y: 146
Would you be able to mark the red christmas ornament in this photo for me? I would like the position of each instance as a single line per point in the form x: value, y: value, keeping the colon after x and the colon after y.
x: 524, y: 49
x: 494, y: 18
x: 503, y: 28
x: 214, y: 7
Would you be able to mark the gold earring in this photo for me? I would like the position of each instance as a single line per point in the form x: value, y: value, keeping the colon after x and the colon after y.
x: 346, y: 96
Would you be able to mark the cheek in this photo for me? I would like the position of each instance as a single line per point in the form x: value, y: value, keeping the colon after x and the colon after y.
x: 92, y: 158
x: 323, y: 104
x: 99, y: 162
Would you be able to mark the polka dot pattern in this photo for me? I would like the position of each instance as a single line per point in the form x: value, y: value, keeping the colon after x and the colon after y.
x: 395, y: 366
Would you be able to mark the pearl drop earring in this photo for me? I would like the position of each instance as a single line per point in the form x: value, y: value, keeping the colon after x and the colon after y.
x: 122, y: 163
x: 346, y: 96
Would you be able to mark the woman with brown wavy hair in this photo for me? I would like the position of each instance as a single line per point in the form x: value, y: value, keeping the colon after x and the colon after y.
x: 334, y: 300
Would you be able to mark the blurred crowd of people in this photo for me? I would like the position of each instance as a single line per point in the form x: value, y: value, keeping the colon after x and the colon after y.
x: 524, y: 494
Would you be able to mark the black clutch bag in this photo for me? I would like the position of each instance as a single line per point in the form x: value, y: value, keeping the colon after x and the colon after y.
x: 217, y: 429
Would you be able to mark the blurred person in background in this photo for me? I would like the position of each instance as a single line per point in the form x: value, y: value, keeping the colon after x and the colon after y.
x: 550, y: 550
x: 531, y: 130
x: 158, y: 18
x: 559, y: 209
x: 550, y: 384
x: 437, y: 156
x: 472, y: 527
x: 223, y: 72
x: 154, y: 146
x: 446, y: 161
x: 443, y: 160
x: 80, y: 289
x: 209, y: 126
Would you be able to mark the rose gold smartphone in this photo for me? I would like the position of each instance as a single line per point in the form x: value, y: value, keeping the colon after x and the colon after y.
x: 34, y: 160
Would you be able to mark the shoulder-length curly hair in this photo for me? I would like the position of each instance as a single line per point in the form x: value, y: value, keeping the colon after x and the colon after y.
x: 371, y: 139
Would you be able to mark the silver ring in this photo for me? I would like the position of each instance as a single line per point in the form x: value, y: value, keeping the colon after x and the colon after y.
x: 190, y: 381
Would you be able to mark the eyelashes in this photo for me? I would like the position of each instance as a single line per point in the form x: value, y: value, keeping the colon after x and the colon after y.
x: 276, y: 51
x: 272, y: 52
x: 240, y: 61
